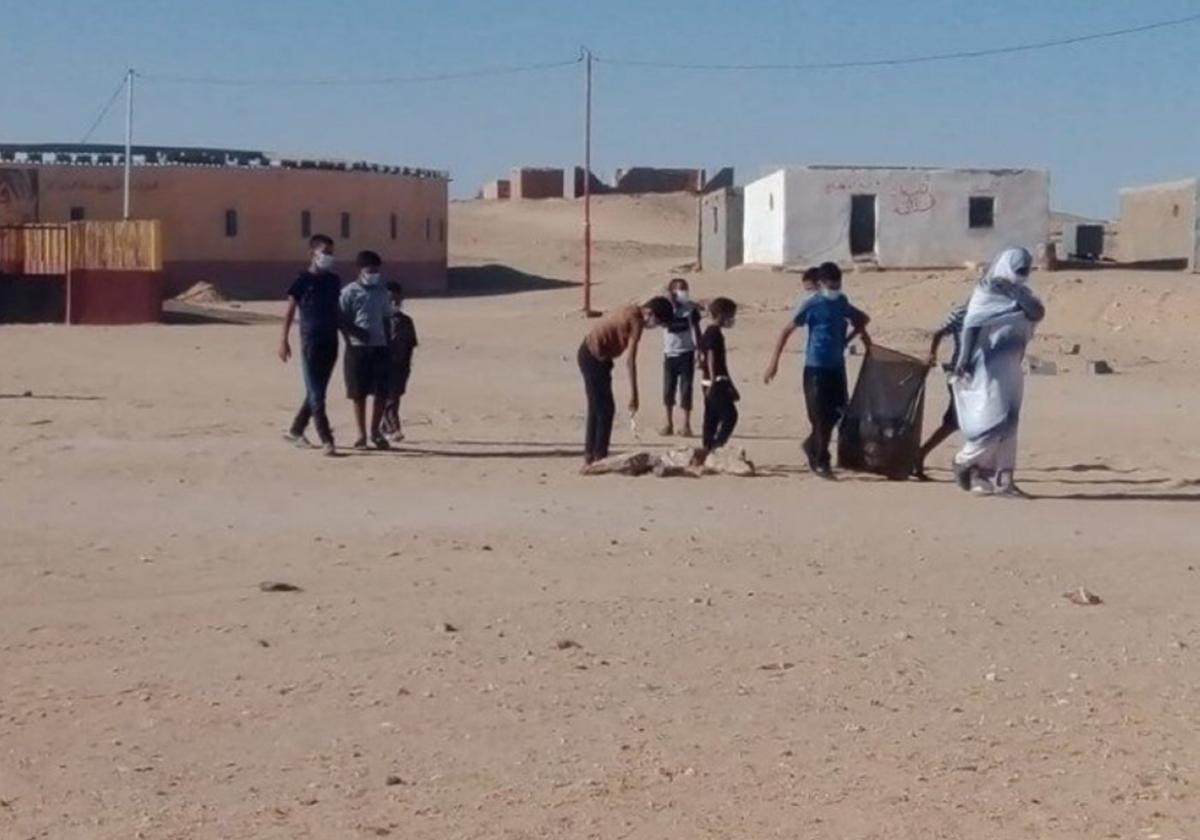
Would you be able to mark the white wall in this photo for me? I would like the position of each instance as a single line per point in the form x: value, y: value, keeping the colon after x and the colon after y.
x: 920, y: 217
x: 763, y: 220
x: 1161, y: 222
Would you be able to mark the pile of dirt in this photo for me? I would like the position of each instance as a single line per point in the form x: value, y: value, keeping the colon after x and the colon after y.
x: 202, y: 292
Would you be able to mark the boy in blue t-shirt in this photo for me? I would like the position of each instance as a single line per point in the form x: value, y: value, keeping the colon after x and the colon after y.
x: 832, y: 323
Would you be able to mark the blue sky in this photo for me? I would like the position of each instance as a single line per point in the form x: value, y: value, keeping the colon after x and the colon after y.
x: 1098, y: 115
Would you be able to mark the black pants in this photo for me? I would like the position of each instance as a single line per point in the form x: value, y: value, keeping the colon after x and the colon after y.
x: 601, y: 407
x: 679, y: 374
x: 720, y: 414
x: 318, y: 358
x: 825, y: 396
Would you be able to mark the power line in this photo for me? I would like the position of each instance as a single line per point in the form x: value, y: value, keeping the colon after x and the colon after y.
x: 502, y: 70
x: 917, y: 59
x: 104, y: 111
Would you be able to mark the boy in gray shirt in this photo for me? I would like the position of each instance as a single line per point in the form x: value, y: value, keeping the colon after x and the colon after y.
x: 365, y: 307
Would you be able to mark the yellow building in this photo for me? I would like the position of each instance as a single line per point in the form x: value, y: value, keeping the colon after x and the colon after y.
x: 240, y: 219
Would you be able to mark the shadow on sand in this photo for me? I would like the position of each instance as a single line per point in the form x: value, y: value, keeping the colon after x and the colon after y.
x: 494, y: 279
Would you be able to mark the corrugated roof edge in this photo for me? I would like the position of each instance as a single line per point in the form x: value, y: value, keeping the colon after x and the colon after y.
x: 111, y: 154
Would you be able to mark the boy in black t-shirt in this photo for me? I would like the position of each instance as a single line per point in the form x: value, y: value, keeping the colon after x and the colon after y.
x: 720, y: 394
x: 315, y: 294
x: 402, y: 341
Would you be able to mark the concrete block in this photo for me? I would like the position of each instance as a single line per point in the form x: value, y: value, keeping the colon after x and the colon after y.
x: 1099, y: 367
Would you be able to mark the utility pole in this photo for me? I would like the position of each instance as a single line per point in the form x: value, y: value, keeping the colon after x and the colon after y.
x: 128, y: 138
x: 587, y: 183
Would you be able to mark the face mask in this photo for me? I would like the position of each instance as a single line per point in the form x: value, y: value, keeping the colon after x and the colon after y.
x: 830, y: 294
x: 729, y: 324
x: 323, y: 261
x: 680, y: 295
x: 369, y: 278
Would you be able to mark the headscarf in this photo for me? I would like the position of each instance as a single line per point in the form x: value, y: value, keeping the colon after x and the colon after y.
x: 988, y: 303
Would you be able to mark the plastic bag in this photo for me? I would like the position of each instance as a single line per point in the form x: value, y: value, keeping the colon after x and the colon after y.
x: 881, y: 429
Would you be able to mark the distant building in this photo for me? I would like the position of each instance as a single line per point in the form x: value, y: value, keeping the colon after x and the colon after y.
x: 239, y: 219
x: 497, y: 190
x: 536, y: 182
x: 893, y: 217
x: 1160, y: 224
x: 721, y: 226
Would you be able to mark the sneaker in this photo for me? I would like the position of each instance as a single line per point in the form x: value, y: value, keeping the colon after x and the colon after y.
x: 397, y: 437
x: 963, y: 476
x: 666, y: 431
x: 380, y: 442
x: 982, y: 487
x: 298, y: 441
x: 360, y: 444
x: 329, y: 450
x: 810, y: 455
x: 686, y: 432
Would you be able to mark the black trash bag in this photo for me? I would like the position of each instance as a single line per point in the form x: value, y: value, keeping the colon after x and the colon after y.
x: 881, y: 429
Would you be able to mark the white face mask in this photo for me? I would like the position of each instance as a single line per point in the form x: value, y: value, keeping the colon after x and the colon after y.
x: 830, y: 293
x: 370, y: 277
x: 323, y: 261
x: 680, y: 295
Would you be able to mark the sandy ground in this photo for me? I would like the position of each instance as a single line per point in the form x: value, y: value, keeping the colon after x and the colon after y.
x: 487, y: 645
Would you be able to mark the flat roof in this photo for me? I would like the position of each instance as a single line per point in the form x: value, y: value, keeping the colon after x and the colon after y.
x: 884, y: 168
x: 112, y: 154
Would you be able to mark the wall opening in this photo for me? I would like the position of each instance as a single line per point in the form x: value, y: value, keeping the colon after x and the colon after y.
x: 981, y: 212
x: 716, y: 221
x: 345, y: 226
x: 77, y: 214
x: 394, y: 225
x: 231, y: 223
x: 305, y: 224
x: 428, y: 227
x: 862, y: 224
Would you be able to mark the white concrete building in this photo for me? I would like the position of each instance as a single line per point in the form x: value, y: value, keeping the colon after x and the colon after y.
x: 1160, y: 224
x: 896, y: 217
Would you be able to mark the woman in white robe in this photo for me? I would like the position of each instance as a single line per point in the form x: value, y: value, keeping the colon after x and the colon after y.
x: 988, y: 382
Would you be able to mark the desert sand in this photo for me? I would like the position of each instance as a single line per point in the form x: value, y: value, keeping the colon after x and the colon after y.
x: 487, y: 645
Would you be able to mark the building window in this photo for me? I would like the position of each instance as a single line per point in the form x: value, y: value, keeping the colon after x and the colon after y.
x: 981, y: 212
x: 441, y: 230
x: 305, y: 224
x: 231, y: 223
x: 345, y: 226
x: 770, y: 201
x: 428, y: 227
x: 77, y: 214
x: 716, y: 223
x: 395, y: 225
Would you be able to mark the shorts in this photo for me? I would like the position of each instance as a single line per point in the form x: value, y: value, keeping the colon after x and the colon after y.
x: 398, y: 381
x: 950, y: 418
x: 367, y: 370
x: 679, y: 373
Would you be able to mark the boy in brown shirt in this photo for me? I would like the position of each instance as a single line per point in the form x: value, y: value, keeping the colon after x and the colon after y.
x: 618, y: 331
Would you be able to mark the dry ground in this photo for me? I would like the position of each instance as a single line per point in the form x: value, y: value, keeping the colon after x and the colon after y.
x: 630, y: 658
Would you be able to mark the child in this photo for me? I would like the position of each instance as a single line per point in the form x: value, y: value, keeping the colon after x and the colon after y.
x: 680, y: 336
x: 365, y: 307
x: 720, y: 395
x: 828, y: 317
x: 952, y: 326
x: 617, y: 332
x: 315, y: 295
x: 808, y: 283
x: 402, y: 341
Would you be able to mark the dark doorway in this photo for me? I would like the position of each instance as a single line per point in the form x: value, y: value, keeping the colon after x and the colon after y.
x: 862, y: 224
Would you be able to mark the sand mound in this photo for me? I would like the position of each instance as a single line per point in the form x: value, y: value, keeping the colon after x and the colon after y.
x: 202, y: 292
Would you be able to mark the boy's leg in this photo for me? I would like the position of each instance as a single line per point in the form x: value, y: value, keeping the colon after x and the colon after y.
x: 606, y: 410
x: 812, y: 404
x: 324, y: 360
x: 304, y: 414
x: 377, y: 406
x: 670, y: 385
x: 835, y: 399
x: 686, y: 371
x: 712, y: 419
x: 587, y: 365
x: 360, y: 420
x: 728, y: 417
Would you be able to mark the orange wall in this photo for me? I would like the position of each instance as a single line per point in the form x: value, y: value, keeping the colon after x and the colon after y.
x: 191, y: 203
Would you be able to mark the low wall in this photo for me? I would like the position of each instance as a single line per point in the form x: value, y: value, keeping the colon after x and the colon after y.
x: 99, y: 296
x: 537, y: 183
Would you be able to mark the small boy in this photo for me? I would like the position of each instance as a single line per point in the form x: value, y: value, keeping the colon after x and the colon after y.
x: 680, y: 337
x: 364, y: 311
x: 952, y: 326
x: 402, y: 341
x: 808, y: 283
x: 720, y: 394
x: 832, y: 322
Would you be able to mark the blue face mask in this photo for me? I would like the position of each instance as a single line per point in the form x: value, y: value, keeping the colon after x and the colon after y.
x: 830, y: 294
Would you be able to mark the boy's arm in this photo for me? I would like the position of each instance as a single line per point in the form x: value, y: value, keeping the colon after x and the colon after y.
x: 696, y: 337
x: 859, y: 321
x: 631, y: 367
x: 934, y: 343
x: 285, y: 349
x: 780, y: 343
